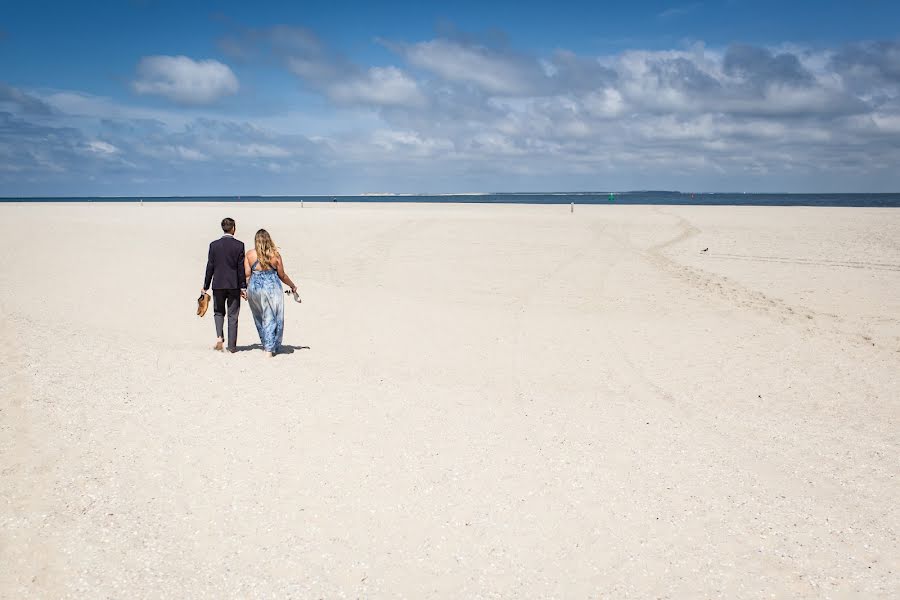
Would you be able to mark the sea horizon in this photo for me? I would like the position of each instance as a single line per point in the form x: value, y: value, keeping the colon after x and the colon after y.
x: 627, y: 197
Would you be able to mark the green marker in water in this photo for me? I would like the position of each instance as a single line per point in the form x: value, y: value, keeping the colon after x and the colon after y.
x: 612, y: 197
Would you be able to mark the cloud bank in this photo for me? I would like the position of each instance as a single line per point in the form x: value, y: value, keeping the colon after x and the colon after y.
x: 462, y: 113
x: 184, y: 80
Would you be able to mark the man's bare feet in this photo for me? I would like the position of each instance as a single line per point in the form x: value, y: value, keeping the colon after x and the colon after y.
x: 220, y: 345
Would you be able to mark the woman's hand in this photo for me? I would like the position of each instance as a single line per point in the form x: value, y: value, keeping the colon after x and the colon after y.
x: 294, y: 289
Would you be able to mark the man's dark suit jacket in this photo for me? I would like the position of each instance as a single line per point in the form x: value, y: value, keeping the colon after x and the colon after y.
x: 225, y: 267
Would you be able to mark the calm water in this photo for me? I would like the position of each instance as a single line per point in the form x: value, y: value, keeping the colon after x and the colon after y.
x: 644, y: 197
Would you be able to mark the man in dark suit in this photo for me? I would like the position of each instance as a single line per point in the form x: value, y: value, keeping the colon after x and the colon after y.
x: 225, y: 272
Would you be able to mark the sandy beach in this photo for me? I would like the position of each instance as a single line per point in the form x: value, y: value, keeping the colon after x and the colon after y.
x: 475, y: 401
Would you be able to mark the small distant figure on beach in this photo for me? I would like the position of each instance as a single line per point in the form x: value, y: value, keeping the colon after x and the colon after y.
x: 264, y: 268
x: 612, y: 197
x: 225, y: 273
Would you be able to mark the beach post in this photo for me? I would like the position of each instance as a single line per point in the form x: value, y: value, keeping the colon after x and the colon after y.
x: 572, y: 208
x: 142, y: 202
x: 301, y: 203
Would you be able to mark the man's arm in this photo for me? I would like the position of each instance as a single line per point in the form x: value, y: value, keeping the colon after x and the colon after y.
x: 246, y: 266
x: 242, y: 274
x: 210, y: 267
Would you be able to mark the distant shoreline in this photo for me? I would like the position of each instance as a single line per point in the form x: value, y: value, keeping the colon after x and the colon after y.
x: 653, y: 198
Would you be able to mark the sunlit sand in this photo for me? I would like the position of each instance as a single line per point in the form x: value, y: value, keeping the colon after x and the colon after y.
x: 472, y: 401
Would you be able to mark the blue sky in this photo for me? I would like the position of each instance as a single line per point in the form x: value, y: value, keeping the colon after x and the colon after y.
x: 148, y: 97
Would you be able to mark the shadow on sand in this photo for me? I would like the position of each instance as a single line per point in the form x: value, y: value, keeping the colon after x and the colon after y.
x: 284, y: 349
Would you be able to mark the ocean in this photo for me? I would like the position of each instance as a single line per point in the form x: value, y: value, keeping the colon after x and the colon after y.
x: 632, y: 197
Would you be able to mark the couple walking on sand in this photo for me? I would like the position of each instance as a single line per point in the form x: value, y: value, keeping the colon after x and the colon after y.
x: 256, y: 277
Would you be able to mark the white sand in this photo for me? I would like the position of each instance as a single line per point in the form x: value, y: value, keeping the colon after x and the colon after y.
x: 497, y: 401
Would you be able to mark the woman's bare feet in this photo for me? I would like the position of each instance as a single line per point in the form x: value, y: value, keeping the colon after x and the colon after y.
x: 270, y: 354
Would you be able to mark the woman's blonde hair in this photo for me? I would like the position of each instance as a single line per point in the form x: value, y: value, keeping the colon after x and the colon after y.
x: 266, y: 252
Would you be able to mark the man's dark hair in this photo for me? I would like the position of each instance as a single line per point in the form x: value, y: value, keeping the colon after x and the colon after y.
x: 228, y: 225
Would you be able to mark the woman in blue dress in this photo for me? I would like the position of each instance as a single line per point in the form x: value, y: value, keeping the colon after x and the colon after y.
x: 264, y: 269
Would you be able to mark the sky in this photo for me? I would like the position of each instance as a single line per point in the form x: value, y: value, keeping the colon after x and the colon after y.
x: 160, y: 98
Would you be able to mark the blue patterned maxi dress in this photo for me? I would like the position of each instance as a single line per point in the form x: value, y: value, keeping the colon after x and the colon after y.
x: 267, y: 305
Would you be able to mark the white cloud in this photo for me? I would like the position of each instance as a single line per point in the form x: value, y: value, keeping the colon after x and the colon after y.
x: 490, y: 70
x: 81, y: 105
x: 101, y: 147
x: 184, y: 80
x: 382, y: 86
x: 341, y: 80
x: 258, y: 151
x: 328, y: 72
x: 410, y: 143
x: 494, y: 143
x: 170, y: 152
x: 606, y: 103
x: 188, y: 153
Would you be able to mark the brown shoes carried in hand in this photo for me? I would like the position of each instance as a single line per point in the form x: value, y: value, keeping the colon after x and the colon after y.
x: 202, y: 304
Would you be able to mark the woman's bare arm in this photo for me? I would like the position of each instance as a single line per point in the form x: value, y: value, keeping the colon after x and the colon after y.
x: 247, y: 271
x: 284, y: 276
